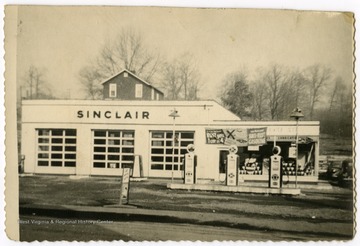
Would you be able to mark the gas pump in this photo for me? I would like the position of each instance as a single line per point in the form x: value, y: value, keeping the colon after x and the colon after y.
x: 190, y: 165
x: 232, y: 166
x: 275, y: 172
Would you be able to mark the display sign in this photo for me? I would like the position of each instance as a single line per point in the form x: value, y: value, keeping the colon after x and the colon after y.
x: 125, y: 186
x: 257, y: 136
x: 292, y: 152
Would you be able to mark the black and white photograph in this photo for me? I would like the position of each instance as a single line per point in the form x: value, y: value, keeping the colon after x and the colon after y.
x: 179, y: 124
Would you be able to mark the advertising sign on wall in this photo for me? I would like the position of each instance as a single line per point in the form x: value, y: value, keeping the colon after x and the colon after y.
x: 237, y: 136
x: 257, y: 136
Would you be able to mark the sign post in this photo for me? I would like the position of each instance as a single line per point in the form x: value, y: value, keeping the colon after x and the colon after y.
x: 125, y: 187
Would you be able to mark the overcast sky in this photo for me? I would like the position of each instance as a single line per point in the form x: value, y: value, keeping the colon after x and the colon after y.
x: 64, y: 39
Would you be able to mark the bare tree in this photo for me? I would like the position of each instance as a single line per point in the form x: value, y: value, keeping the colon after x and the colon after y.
x: 90, y: 81
x: 127, y: 51
x: 316, y: 77
x: 171, y: 81
x: 236, y: 95
x: 181, y: 78
x: 275, y: 82
x: 259, y: 106
x: 35, y: 84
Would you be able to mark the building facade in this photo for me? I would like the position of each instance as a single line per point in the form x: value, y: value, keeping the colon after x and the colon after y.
x: 78, y: 137
x: 127, y: 86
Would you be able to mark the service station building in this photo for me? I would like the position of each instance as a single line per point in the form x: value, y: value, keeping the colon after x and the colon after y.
x: 101, y: 137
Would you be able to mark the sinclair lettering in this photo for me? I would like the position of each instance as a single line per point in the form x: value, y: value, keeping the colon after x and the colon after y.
x: 98, y: 114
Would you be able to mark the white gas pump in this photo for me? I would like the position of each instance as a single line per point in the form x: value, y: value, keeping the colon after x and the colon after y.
x: 275, y: 172
x: 190, y: 165
x: 232, y: 166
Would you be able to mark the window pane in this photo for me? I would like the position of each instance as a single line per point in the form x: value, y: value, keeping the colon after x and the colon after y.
x: 44, y: 132
x: 57, y: 132
x: 128, y: 134
x: 128, y: 150
x: 157, y: 135
x: 99, y: 164
x: 189, y: 135
x: 70, y: 132
x: 43, y: 155
x: 157, y: 143
x: 70, y: 140
x: 70, y: 148
x: 157, y: 166
x: 99, y: 149
x: 127, y: 157
x: 56, y: 156
x: 114, y: 134
x: 56, y: 140
x: 157, y: 151
x: 70, y: 156
x: 114, y: 150
x: 114, y: 157
x: 113, y: 165
x: 100, y: 133
x: 128, y: 142
x: 99, y: 141
x: 113, y: 142
x: 56, y: 148
x: 43, y: 140
x: 70, y: 164
x: 43, y: 163
x: 43, y: 148
x: 99, y: 157
x: 157, y: 158
x: 56, y: 163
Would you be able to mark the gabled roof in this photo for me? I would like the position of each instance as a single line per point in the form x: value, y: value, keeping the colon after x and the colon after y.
x: 132, y: 74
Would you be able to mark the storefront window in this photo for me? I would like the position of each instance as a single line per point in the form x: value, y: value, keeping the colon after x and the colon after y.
x: 113, y: 148
x: 163, y: 155
x: 56, y: 147
x: 258, y: 162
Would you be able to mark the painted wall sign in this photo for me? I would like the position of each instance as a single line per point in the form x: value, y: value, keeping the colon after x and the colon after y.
x: 257, y: 136
x: 99, y: 114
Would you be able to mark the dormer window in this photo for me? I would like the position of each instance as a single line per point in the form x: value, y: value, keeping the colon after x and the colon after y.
x: 112, y: 90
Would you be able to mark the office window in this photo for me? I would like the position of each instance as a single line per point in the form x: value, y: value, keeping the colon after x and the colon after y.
x: 113, y: 148
x: 165, y: 156
x: 112, y: 90
x: 56, y: 147
x: 138, y: 91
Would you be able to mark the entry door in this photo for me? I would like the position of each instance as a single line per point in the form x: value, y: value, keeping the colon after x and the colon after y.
x: 222, y: 161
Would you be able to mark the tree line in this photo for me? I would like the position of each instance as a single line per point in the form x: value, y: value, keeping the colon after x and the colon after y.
x: 272, y: 93
x: 275, y: 91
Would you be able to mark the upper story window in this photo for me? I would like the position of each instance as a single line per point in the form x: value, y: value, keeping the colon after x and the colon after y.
x: 112, y: 90
x: 138, y: 91
x: 157, y: 96
x: 126, y: 74
x: 152, y: 94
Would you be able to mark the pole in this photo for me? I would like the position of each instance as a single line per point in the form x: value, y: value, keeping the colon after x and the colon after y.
x: 297, y: 152
x: 173, y: 151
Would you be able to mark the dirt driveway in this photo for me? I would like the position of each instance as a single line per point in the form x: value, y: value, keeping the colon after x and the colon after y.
x: 325, y: 215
